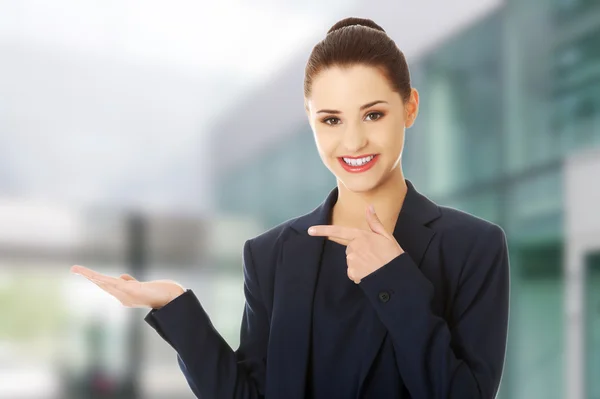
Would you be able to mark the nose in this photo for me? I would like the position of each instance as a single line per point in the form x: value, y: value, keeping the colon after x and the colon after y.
x: 354, y: 139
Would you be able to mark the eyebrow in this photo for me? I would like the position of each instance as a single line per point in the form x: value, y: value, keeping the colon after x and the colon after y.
x: 368, y: 105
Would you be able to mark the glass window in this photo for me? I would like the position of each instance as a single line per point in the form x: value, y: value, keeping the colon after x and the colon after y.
x: 537, y: 196
x: 462, y: 112
x: 568, y: 10
x: 539, y: 322
x: 575, y: 103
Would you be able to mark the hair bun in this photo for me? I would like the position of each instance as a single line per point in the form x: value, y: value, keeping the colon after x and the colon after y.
x: 355, y: 21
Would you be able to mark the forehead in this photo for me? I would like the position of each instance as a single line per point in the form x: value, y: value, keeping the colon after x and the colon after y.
x: 349, y: 86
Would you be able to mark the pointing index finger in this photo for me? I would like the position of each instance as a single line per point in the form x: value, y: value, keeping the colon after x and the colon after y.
x: 345, y: 233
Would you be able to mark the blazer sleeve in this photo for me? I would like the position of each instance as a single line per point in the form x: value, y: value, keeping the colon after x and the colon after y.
x: 211, y: 367
x: 435, y: 359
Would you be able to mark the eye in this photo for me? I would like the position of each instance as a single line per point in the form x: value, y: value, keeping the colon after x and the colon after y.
x: 374, y: 115
x: 331, y: 121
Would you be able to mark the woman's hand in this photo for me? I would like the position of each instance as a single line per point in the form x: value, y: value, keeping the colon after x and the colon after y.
x: 133, y: 293
x: 366, y: 251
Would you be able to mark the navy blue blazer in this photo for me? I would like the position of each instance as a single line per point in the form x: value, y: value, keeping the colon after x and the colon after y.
x: 444, y: 305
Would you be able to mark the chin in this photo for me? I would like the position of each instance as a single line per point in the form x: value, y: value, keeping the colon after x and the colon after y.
x: 359, y: 185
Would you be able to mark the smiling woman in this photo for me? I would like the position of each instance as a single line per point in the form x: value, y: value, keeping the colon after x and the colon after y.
x: 378, y: 292
x: 365, y: 131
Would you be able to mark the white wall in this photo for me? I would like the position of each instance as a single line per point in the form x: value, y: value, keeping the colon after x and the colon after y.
x: 582, y: 233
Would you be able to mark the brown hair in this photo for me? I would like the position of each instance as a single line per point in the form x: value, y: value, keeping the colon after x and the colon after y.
x: 353, y: 41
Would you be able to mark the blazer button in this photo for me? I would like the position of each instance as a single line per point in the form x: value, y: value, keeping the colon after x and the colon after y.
x: 384, y: 296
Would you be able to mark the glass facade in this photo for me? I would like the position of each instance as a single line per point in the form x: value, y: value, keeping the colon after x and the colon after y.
x: 502, y: 103
x: 575, y: 96
x: 286, y: 181
x: 460, y: 121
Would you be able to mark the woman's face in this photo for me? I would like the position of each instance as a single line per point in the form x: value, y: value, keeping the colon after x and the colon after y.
x: 358, y: 124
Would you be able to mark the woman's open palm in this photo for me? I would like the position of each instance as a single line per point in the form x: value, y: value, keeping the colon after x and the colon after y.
x: 133, y: 293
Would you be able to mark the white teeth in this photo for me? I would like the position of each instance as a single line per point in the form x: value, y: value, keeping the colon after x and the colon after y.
x: 358, y: 161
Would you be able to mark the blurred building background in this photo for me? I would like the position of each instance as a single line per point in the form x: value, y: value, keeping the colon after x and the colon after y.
x: 155, y: 139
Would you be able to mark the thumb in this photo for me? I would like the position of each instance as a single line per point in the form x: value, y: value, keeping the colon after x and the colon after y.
x: 127, y: 277
x: 374, y: 222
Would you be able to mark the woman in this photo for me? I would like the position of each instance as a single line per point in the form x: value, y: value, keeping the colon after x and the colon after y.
x: 343, y: 302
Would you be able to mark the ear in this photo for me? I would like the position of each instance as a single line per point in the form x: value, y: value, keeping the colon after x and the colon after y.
x: 411, y: 108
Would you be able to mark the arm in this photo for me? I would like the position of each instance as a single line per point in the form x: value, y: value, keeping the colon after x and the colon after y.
x: 211, y: 367
x: 435, y: 360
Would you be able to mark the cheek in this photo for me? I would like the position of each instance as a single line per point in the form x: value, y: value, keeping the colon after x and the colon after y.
x: 326, y: 143
x: 388, y: 136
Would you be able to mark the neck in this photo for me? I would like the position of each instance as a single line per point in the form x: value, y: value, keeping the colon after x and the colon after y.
x: 387, y: 198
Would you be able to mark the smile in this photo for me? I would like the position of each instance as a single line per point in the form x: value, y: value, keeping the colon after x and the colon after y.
x: 357, y: 165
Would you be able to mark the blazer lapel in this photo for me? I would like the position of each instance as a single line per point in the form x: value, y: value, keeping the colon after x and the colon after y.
x: 414, y: 237
x: 291, y: 324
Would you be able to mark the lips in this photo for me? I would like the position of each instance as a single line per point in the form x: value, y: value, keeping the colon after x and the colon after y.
x: 358, y: 168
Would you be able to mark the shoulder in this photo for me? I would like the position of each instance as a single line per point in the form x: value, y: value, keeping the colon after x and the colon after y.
x: 273, y: 234
x: 264, y: 246
x: 457, y: 221
x: 468, y: 236
x: 474, y: 239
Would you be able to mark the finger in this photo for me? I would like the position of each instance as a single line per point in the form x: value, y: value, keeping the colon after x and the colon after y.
x: 351, y: 276
x: 132, y: 288
x: 99, y: 282
x: 77, y: 269
x: 110, y: 285
x: 345, y: 233
x: 127, y: 277
x: 352, y: 247
x: 84, y: 271
x: 115, y: 291
x: 125, y: 292
x: 126, y: 287
x: 89, y: 273
x: 343, y: 242
x: 374, y: 222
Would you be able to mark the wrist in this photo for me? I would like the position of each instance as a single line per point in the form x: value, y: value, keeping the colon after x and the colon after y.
x: 174, y: 294
x: 177, y: 292
x: 180, y: 291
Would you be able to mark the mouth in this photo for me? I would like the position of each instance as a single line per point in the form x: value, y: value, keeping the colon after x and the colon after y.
x: 359, y: 164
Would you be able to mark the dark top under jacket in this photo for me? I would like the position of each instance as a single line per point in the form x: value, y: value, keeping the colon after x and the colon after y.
x: 343, y: 321
x: 441, y: 315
